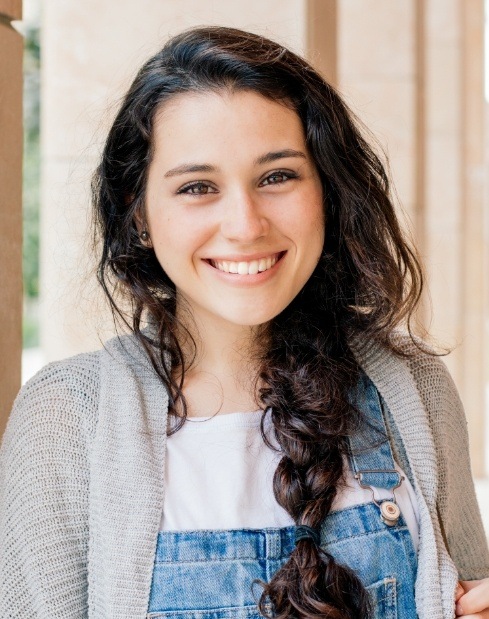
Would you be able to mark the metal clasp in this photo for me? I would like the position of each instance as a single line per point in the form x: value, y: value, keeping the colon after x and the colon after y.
x: 389, y: 510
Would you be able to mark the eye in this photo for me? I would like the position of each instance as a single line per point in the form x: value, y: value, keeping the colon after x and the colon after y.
x: 278, y: 177
x: 198, y: 188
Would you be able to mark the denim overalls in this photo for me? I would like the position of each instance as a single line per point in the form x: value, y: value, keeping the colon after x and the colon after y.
x: 208, y: 574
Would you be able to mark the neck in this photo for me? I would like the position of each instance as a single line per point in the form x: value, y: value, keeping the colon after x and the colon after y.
x: 221, y: 346
x: 225, y: 367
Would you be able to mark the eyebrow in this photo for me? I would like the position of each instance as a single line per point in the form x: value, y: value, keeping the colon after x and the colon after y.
x: 185, y: 168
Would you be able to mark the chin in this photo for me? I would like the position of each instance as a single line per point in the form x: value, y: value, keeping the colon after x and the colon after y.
x: 249, y: 320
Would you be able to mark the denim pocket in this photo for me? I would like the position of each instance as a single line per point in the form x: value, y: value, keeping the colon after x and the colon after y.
x: 244, y: 612
x: 383, y: 594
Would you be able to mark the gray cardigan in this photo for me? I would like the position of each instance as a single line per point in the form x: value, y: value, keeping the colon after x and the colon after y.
x: 81, y: 483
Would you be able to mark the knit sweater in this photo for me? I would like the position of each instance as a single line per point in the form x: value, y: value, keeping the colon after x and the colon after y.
x: 82, y: 468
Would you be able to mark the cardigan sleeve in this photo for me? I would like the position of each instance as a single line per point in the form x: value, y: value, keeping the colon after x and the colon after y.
x: 44, y: 482
x: 458, y: 510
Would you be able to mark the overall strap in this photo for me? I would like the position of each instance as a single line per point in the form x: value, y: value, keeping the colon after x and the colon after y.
x: 370, y: 455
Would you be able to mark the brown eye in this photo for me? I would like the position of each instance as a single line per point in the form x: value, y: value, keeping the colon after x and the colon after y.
x: 196, y: 189
x: 276, y: 178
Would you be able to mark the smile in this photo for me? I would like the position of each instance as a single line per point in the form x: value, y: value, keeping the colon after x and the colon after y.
x: 247, y: 268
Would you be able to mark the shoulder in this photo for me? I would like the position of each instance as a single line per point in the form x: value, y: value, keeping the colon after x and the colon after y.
x: 66, y: 393
x: 60, y: 399
x: 432, y: 376
x: 419, y: 391
x: 419, y: 368
x: 70, y: 380
x: 44, y: 453
x: 435, y: 386
x: 44, y: 486
x: 74, y: 376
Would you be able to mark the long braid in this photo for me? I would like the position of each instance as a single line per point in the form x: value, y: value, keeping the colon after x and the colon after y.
x: 308, y: 371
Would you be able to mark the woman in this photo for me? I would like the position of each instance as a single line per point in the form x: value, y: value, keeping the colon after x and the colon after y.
x: 267, y: 440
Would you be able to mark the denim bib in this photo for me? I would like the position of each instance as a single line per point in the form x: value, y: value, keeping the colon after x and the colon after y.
x: 208, y: 574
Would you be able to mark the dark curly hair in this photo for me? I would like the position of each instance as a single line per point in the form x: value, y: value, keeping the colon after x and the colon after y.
x: 367, y: 282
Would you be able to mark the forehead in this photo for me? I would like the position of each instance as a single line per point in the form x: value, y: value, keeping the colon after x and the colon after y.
x: 240, y: 120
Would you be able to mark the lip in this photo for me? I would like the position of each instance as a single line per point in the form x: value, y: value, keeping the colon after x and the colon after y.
x: 235, y: 279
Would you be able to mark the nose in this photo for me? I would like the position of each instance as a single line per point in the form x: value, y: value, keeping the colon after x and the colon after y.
x: 243, y: 219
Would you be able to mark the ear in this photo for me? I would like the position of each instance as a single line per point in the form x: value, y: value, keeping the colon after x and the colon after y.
x: 142, y: 226
x: 138, y: 220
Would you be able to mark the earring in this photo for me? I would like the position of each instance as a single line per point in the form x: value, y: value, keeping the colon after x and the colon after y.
x: 144, y: 236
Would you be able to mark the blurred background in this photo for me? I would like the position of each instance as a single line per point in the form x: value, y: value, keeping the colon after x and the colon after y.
x: 412, y: 70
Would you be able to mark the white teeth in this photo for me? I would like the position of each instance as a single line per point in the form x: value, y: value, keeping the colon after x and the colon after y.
x: 253, y: 268
x: 245, y: 268
x: 263, y: 265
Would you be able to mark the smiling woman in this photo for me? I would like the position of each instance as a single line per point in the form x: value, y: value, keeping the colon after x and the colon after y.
x: 250, y: 217
x: 269, y: 439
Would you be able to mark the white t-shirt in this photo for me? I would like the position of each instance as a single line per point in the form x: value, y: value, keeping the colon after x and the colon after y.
x: 219, y: 475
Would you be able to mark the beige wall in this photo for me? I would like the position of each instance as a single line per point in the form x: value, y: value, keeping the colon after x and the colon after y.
x: 475, y: 263
x: 377, y: 75
x: 11, y: 47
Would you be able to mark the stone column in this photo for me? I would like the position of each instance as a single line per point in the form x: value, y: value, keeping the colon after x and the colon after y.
x: 322, y: 37
x: 11, y: 50
x: 453, y: 197
x: 413, y: 71
x: 377, y: 75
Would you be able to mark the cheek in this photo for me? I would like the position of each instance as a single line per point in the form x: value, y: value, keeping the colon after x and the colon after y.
x: 315, y: 232
x: 164, y: 237
x: 176, y: 240
x: 314, y: 218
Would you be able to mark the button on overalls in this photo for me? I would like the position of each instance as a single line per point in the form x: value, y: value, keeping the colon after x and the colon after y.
x: 208, y: 574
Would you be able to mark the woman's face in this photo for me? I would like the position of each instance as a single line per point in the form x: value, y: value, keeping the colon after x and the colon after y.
x: 233, y: 205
